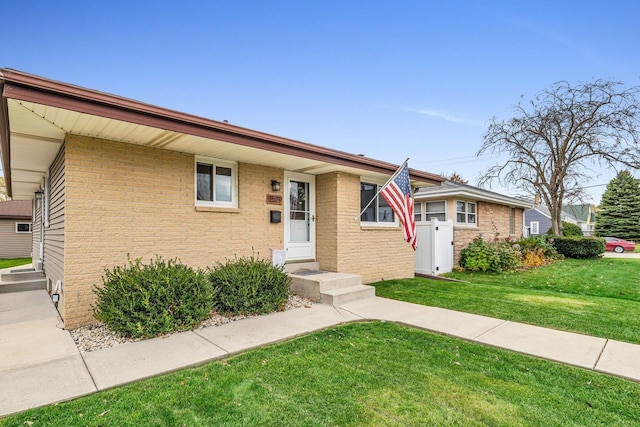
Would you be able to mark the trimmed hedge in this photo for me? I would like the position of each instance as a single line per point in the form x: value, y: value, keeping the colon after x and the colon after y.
x: 579, y: 247
x: 145, y: 300
x: 249, y: 286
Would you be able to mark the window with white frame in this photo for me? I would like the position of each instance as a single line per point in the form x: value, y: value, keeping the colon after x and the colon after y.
x: 535, y: 227
x: 436, y: 210
x: 23, y: 227
x: 417, y: 211
x: 378, y: 211
x: 216, y: 183
x: 466, y: 213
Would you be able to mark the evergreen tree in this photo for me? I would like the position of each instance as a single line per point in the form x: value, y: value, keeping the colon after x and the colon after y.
x: 619, y: 213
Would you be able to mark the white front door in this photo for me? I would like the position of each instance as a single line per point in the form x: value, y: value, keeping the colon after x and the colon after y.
x: 300, y: 216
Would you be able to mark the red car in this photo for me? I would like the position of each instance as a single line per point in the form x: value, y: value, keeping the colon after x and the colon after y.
x: 618, y: 245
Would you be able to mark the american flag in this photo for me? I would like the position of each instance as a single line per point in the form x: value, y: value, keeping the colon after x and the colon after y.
x: 397, y: 192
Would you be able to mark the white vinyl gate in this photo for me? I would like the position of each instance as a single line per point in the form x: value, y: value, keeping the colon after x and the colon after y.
x: 434, y: 254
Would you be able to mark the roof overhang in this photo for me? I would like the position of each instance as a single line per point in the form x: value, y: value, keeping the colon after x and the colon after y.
x: 36, y: 115
x: 472, y: 193
x: 17, y: 217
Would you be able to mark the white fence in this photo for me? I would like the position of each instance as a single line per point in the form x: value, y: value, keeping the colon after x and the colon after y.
x: 434, y: 254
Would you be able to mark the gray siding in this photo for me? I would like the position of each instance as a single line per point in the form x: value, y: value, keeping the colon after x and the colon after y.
x: 53, y: 263
x: 12, y: 244
x: 534, y: 215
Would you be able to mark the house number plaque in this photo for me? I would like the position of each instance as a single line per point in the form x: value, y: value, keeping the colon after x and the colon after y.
x: 273, y: 199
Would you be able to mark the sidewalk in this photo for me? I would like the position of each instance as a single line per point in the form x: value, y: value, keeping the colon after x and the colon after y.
x: 40, y: 364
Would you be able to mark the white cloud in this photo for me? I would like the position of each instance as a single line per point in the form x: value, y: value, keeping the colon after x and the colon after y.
x: 446, y: 117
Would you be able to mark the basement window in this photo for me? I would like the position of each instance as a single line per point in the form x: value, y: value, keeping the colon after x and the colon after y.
x: 23, y: 227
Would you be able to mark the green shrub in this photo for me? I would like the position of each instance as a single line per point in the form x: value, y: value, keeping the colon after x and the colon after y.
x: 509, y: 255
x: 478, y: 256
x: 495, y: 257
x: 538, y: 244
x: 579, y: 247
x: 141, y: 300
x: 249, y: 286
x: 571, y: 230
x: 568, y: 230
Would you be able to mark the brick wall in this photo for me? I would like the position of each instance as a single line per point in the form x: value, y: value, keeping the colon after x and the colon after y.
x: 327, y: 221
x: 493, y: 219
x: 125, y: 199
x: 376, y: 253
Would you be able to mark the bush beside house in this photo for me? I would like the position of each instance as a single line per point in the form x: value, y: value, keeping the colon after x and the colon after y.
x: 506, y: 254
x: 146, y: 300
x: 249, y: 286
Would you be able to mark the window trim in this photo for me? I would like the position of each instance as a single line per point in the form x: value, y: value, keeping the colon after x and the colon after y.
x: 24, y: 232
x: 376, y: 223
x: 466, y: 213
x: 415, y: 211
x: 537, y: 227
x: 234, y: 182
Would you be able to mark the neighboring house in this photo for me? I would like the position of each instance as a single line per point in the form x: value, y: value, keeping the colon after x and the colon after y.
x: 15, y: 229
x: 112, y: 177
x: 537, y: 220
x: 585, y: 216
x: 473, y: 210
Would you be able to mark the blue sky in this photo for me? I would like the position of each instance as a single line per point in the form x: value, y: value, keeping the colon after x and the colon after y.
x: 390, y: 80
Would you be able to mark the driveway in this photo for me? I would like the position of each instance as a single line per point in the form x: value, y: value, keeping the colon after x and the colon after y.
x: 632, y: 255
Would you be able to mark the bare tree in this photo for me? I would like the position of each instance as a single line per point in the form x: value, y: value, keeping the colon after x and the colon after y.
x: 553, y: 143
x: 456, y: 177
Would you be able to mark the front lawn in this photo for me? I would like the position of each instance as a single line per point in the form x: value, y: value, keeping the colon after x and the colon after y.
x: 364, y: 374
x: 14, y: 262
x: 603, y: 277
x: 593, y: 297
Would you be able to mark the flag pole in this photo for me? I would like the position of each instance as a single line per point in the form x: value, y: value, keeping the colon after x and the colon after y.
x: 385, y: 184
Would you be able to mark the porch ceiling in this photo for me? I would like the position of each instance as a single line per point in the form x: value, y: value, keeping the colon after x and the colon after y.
x: 40, y: 113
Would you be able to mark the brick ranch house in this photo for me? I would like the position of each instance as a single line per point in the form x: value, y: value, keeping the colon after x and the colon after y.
x: 473, y: 211
x: 111, y: 176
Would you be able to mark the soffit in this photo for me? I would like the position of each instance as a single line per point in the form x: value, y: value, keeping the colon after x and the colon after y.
x: 37, y: 132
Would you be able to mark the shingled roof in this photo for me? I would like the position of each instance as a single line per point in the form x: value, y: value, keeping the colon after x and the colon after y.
x: 15, y: 209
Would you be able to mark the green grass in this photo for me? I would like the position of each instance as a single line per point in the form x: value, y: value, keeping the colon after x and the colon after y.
x: 594, y: 297
x: 603, y: 277
x: 13, y: 262
x: 363, y: 374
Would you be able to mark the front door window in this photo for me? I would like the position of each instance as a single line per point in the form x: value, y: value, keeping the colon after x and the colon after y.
x: 299, y: 213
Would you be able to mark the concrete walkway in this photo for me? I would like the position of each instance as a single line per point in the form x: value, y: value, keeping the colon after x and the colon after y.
x: 40, y: 364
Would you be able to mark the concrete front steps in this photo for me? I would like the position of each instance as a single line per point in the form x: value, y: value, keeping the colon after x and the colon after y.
x: 21, y: 280
x: 309, y: 281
